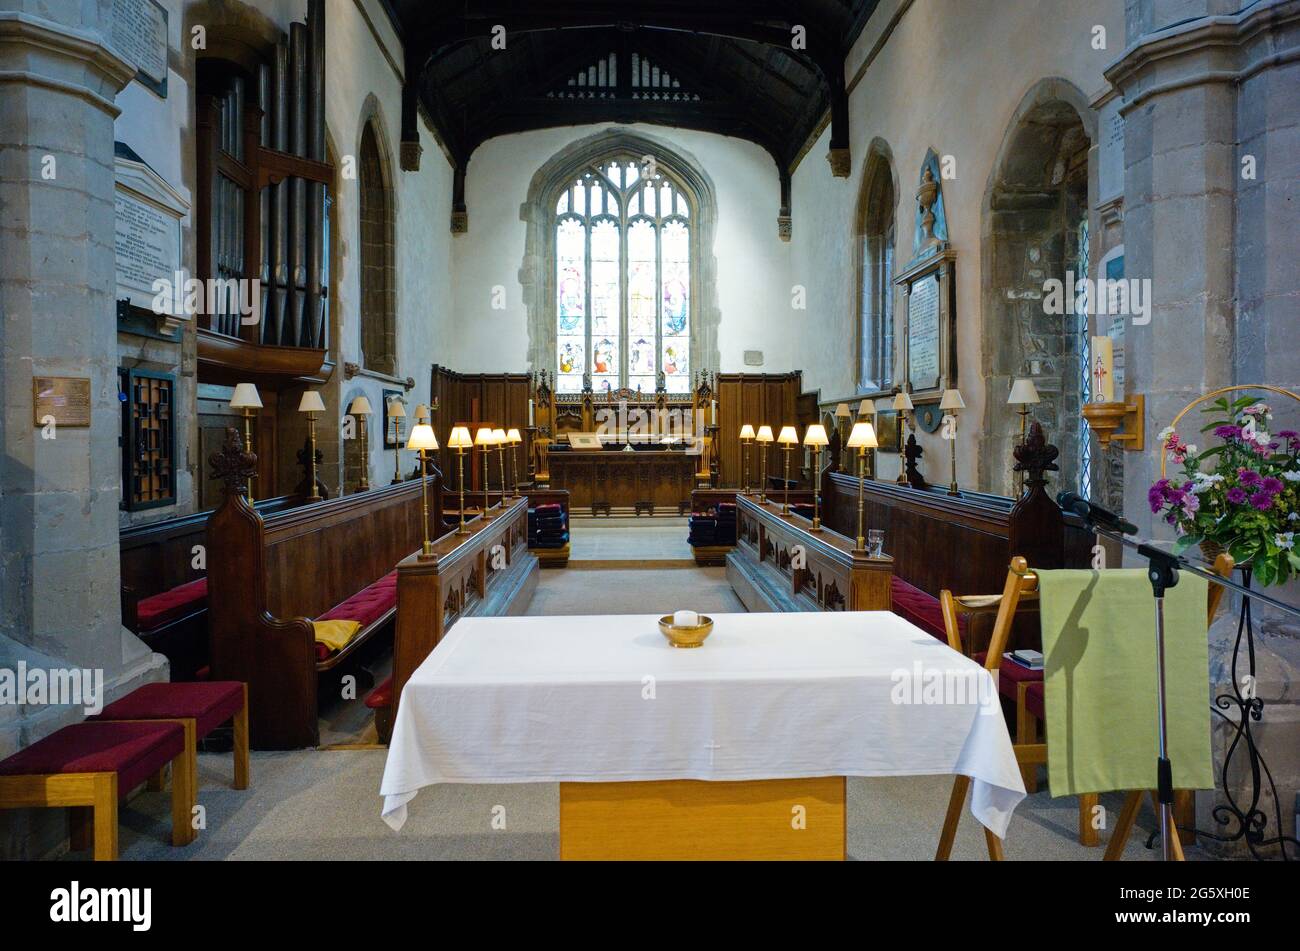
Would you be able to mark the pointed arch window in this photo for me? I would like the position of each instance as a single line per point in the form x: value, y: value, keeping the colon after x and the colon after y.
x: 876, y: 278
x: 623, y: 277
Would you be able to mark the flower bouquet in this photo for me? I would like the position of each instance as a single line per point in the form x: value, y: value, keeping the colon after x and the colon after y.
x: 1241, y: 496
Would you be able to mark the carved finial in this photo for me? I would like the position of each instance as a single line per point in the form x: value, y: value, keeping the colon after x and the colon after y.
x: 1036, y: 455
x: 233, y: 465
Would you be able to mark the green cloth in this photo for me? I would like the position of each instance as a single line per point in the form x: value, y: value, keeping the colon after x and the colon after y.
x: 1100, y: 681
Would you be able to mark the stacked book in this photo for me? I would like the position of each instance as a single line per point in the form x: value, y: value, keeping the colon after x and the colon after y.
x: 547, y: 527
x: 716, y: 526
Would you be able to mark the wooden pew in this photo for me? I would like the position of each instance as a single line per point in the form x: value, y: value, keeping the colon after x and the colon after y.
x: 488, y: 572
x: 159, y: 557
x: 708, y: 500
x: 780, y: 565
x: 268, y: 577
x: 548, y: 557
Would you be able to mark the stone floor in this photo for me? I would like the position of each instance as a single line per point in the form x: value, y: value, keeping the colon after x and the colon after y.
x: 618, y: 542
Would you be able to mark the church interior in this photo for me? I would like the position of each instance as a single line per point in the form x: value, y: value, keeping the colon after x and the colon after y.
x: 582, y: 430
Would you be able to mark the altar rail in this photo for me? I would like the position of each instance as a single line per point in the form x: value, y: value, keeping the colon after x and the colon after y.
x: 488, y: 571
x: 267, y: 577
x: 963, y: 544
x: 780, y: 565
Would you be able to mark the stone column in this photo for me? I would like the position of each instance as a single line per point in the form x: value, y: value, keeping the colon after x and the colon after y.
x: 59, y: 567
x: 1202, y: 85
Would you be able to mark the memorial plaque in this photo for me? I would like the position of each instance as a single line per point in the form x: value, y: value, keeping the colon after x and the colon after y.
x: 140, y: 35
x: 924, y: 367
x: 147, y: 241
x: 65, y: 398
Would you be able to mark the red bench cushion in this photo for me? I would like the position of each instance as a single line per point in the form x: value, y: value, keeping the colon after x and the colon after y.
x: 365, y: 607
x: 1034, y: 699
x: 135, y: 751
x: 914, y: 605
x: 159, y: 609
x: 381, y: 696
x: 209, y: 704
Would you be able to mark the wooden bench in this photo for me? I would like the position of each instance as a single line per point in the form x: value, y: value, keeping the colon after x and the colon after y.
x: 164, y: 596
x: 704, y: 505
x: 268, y: 577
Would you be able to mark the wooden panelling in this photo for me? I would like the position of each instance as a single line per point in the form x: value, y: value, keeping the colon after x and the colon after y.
x: 622, y: 479
x: 471, y: 398
x: 757, y: 399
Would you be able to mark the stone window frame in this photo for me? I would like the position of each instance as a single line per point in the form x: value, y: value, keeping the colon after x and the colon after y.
x: 878, y: 172
x: 537, y: 270
x: 377, y: 331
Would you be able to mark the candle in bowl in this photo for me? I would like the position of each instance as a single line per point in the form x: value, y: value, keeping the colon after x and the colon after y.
x: 685, y: 619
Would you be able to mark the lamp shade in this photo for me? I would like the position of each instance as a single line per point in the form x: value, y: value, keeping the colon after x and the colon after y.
x: 952, y: 400
x: 789, y: 436
x: 842, y: 411
x: 513, y: 437
x: 245, y: 397
x: 816, y: 436
x: 422, y: 437
x: 460, y: 438
x: 396, y: 410
x: 764, y: 434
x: 747, y: 431
x: 867, y: 408
x: 421, y: 412
x: 484, y: 436
x: 863, y: 436
x: 360, y: 407
x: 1023, y: 392
x: 311, y: 402
x: 902, y: 402
x: 498, y: 437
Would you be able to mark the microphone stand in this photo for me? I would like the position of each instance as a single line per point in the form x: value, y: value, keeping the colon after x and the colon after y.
x: 1162, y: 572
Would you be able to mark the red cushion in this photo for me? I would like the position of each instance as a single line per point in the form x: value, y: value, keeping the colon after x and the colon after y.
x: 1034, y: 699
x: 209, y: 704
x: 367, y: 605
x: 549, y: 507
x: 159, y: 609
x: 135, y: 751
x: 1011, y: 674
x: 914, y: 605
x: 381, y: 696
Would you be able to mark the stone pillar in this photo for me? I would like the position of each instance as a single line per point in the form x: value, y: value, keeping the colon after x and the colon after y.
x: 1203, y: 84
x: 59, y: 568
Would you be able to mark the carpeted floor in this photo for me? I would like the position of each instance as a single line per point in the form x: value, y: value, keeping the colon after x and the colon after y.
x: 324, y: 804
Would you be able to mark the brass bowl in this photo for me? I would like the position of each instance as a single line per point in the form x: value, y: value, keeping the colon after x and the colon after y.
x: 686, y: 636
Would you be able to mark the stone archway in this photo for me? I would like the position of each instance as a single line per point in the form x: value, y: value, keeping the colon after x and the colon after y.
x: 1035, y: 208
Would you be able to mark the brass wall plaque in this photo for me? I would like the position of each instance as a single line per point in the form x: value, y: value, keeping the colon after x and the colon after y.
x: 66, y: 398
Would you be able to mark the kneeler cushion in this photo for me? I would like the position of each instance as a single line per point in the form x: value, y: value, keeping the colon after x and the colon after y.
x: 367, y: 605
x: 135, y: 751
x: 914, y: 605
x: 158, y: 609
x: 209, y: 704
x: 1034, y: 699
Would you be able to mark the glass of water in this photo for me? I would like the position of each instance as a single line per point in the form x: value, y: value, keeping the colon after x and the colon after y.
x: 875, y: 542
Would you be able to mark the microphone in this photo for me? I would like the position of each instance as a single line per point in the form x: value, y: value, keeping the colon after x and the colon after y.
x: 1094, y: 514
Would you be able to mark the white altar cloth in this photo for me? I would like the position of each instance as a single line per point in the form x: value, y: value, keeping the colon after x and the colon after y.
x: 768, y: 696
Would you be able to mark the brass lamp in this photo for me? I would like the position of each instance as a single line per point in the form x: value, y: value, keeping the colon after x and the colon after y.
x: 816, y: 438
x: 902, y: 403
x: 396, y: 412
x: 311, y: 404
x: 461, y: 441
x: 788, y: 439
x: 746, y: 434
x: 484, y: 440
x: 1023, y: 394
x: 842, y: 415
x: 499, y: 440
x: 862, y: 438
x: 423, y: 439
x: 513, y: 439
x: 422, y: 413
x: 951, y: 403
x: 764, y: 439
x: 246, y: 400
x: 359, y: 410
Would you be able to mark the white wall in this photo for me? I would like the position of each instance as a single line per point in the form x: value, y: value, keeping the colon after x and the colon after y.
x: 753, y: 263
x: 949, y: 77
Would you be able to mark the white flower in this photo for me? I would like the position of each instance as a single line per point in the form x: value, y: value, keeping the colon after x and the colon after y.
x: 1165, y: 434
x: 1284, y: 540
x: 1191, y: 449
x: 1291, y: 475
x: 1294, y: 516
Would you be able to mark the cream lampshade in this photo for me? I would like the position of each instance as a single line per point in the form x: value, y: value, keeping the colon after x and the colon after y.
x: 747, y: 431
x: 360, y: 407
x: 764, y: 437
x: 421, y: 413
x: 764, y: 434
x: 498, y: 437
x: 842, y: 411
x: 311, y: 402
x: 867, y: 408
x: 396, y: 410
x: 422, y: 437
x: 862, y: 437
x: 1023, y: 392
x: 460, y: 438
x: 816, y: 436
x: 902, y: 402
x: 789, y: 436
x: 484, y: 436
x: 245, y: 397
x: 513, y: 437
x: 952, y: 400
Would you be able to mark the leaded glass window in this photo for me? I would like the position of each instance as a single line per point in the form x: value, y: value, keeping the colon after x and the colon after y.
x: 623, y: 279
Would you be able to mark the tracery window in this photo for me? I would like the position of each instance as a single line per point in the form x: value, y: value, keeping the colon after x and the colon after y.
x: 623, y: 279
x: 876, y: 278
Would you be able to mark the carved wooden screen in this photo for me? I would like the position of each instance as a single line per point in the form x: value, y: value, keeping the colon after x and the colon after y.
x: 148, y: 439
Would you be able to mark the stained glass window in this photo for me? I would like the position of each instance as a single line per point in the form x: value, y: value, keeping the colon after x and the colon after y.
x: 623, y: 279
